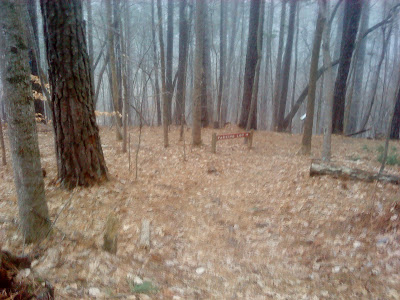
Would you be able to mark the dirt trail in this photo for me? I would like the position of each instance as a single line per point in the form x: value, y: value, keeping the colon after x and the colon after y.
x: 238, y: 224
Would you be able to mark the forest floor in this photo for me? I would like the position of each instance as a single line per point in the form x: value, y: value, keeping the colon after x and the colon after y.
x: 238, y: 224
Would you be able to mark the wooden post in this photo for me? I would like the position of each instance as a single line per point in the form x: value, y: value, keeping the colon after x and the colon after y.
x: 250, y: 142
x: 214, y: 143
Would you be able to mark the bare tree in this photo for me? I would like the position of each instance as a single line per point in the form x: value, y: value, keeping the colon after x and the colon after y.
x: 155, y: 63
x: 251, y: 62
x: 33, y: 211
x: 308, y: 126
x: 199, y: 80
x: 350, y: 27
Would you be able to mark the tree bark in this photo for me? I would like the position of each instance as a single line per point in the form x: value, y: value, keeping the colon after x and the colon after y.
x: 222, y: 50
x: 182, y: 67
x: 170, y: 47
x: 33, y: 211
x: 350, y: 28
x: 286, y: 65
x: 278, y: 70
x: 308, y: 126
x: 155, y: 63
x: 114, y: 83
x: 163, y: 80
x: 395, y: 126
x: 199, y: 71
x: 251, y: 62
x: 79, y: 155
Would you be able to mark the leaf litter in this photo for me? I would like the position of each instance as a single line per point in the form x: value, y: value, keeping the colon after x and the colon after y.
x: 238, y: 224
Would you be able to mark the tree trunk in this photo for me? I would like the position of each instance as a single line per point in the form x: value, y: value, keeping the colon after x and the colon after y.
x: 222, y: 50
x: 39, y: 104
x: 155, y: 63
x: 118, y: 57
x: 286, y: 65
x: 114, y: 83
x: 395, y: 126
x: 278, y: 70
x: 308, y: 126
x: 254, y: 94
x: 182, y: 67
x: 251, y: 62
x: 206, y: 99
x: 355, y: 107
x: 328, y: 91
x: 90, y: 34
x: 28, y: 178
x: 170, y: 47
x: 79, y: 155
x: 126, y: 47
x: 350, y: 27
x: 163, y: 80
x: 198, y: 71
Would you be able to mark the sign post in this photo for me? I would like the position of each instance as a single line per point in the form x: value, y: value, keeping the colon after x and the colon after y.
x: 216, y: 138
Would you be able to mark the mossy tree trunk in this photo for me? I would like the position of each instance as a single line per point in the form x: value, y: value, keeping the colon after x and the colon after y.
x: 28, y: 177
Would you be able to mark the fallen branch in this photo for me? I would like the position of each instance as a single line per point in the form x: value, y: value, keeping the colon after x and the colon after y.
x: 319, y: 168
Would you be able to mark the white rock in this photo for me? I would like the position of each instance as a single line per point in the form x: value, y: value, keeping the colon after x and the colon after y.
x: 95, y: 292
x: 137, y: 280
x: 200, y: 270
x: 357, y: 244
x: 336, y: 269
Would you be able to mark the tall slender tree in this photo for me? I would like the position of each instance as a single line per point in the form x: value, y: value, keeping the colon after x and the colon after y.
x: 222, y: 51
x: 287, y: 59
x: 170, y: 53
x: 80, y: 159
x: 33, y: 211
x: 155, y: 64
x: 308, y: 126
x: 352, y: 13
x: 199, y: 78
x: 251, y: 62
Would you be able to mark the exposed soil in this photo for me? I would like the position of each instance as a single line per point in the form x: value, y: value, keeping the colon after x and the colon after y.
x: 238, y: 224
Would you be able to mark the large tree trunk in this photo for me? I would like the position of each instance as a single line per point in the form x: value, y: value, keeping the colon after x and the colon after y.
x: 114, y: 83
x: 308, y: 126
x: 163, y: 80
x: 350, y: 28
x: 251, y: 62
x: 80, y: 159
x: 33, y: 212
x: 198, y: 71
x: 287, y: 60
x: 155, y: 63
x: 182, y: 67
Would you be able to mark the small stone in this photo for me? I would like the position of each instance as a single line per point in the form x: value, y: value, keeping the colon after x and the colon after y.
x: 200, y: 270
x: 336, y: 269
x: 316, y: 266
x: 176, y: 298
x: 144, y: 297
x: 381, y: 242
x: 393, y: 218
x: 94, y: 292
x: 357, y: 244
x: 324, y: 293
x: 137, y: 280
x: 376, y: 271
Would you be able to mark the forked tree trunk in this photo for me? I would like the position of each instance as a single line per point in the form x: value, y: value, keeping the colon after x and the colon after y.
x: 33, y: 212
x: 80, y: 159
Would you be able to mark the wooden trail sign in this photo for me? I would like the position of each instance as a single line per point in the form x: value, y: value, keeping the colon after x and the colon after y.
x: 215, y: 138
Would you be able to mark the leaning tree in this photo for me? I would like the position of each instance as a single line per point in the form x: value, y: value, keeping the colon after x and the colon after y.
x: 80, y: 159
